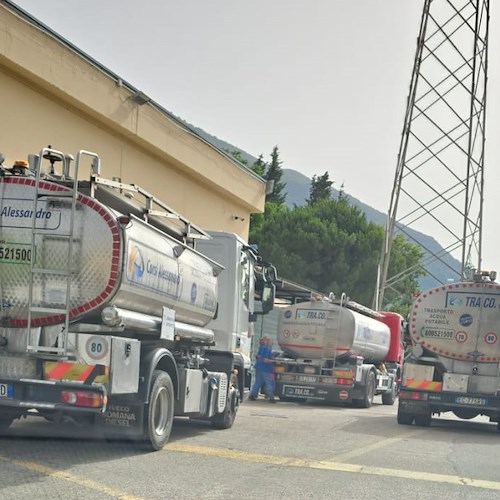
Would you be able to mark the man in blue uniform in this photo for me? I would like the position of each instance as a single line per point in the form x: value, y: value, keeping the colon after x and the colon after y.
x: 264, y: 370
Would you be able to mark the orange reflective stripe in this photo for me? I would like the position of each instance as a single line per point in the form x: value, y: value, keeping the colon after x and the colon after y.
x: 58, y: 369
x: 85, y: 373
x: 423, y: 384
x: 343, y: 373
x: 55, y: 370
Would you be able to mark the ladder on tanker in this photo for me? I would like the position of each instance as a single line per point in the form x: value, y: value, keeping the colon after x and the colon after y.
x: 122, y: 197
x: 38, y: 302
x: 333, y: 322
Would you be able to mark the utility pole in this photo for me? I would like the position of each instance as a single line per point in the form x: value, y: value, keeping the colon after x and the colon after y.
x: 438, y: 186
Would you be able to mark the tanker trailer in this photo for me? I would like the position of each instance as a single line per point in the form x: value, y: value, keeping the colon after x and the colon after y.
x: 106, y: 306
x: 337, y: 351
x: 455, y: 353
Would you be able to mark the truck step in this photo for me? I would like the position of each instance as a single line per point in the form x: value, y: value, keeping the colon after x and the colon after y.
x: 57, y: 272
x: 55, y: 310
x: 56, y: 353
x: 60, y: 235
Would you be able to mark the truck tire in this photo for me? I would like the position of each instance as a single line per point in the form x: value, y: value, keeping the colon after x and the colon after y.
x: 159, y: 412
x: 225, y: 420
x: 389, y: 398
x: 423, y: 420
x: 5, y: 422
x: 405, y: 418
x: 369, y: 392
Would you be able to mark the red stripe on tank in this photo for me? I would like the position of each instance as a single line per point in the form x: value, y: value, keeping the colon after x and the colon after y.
x: 113, y: 276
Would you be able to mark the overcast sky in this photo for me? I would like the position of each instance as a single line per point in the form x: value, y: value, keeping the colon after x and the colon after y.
x: 324, y: 80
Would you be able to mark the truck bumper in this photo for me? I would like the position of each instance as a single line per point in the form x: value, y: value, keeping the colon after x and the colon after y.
x: 416, y: 402
x: 332, y: 393
x: 21, y: 395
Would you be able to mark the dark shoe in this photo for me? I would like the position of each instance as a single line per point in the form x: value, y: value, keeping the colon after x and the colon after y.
x: 252, y: 398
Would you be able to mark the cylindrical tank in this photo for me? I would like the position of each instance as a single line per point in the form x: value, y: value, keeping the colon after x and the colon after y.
x: 321, y: 329
x: 113, y: 262
x: 394, y: 321
x: 459, y: 321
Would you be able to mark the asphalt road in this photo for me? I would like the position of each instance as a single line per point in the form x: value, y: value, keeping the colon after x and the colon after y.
x: 274, y: 451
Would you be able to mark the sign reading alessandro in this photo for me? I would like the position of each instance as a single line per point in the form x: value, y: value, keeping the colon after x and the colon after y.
x: 10, y: 211
x: 19, y: 213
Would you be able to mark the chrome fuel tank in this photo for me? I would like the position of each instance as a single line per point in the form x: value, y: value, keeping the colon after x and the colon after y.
x: 99, y: 259
x: 459, y: 322
x: 320, y: 329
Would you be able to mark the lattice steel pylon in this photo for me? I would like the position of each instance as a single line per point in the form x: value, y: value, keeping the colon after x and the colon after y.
x: 438, y: 186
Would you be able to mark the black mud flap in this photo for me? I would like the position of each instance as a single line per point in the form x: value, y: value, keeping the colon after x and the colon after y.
x: 414, y: 407
x: 122, y: 418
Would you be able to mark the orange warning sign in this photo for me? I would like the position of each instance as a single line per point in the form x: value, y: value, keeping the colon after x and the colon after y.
x: 428, y: 385
x: 80, y: 372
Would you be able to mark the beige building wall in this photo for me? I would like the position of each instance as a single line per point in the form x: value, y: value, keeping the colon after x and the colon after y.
x: 50, y: 94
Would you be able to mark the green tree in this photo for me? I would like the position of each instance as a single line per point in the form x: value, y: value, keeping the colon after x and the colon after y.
x: 330, y: 247
x: 320, y: 189
x: 259, y: 166
x: 342, y: 195
x: 274, y: 173
x: 237, y: 156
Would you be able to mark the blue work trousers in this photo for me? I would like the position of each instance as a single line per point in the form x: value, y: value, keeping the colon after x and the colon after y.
x: 266, y: 378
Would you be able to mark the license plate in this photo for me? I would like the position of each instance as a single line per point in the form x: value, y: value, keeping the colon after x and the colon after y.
x: 467, y: 400
x: 6, y: 391
x: 304, y: 392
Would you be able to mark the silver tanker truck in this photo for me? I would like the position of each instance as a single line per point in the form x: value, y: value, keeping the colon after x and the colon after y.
x: 338, y: 351
x: 111, y: 315
x: 455, y: 353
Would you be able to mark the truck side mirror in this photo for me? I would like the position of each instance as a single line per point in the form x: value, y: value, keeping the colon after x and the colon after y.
x: 270, y: 274
x: 268, y: 295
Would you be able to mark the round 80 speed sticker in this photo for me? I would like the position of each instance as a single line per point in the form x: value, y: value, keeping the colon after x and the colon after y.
x: 97, y: 347
x: 491, y: 338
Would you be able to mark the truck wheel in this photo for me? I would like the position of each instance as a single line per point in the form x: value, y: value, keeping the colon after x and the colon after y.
x: 369, y: 393
x: 423, y: 420
x: 389, y: 398
x: 225, y: 420
x: 159, y: 412
x: 405, y: 418
x: 5, y: 422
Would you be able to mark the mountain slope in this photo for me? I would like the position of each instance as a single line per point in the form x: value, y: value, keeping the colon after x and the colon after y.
x: 297, y: 188
x: 297, y: 191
